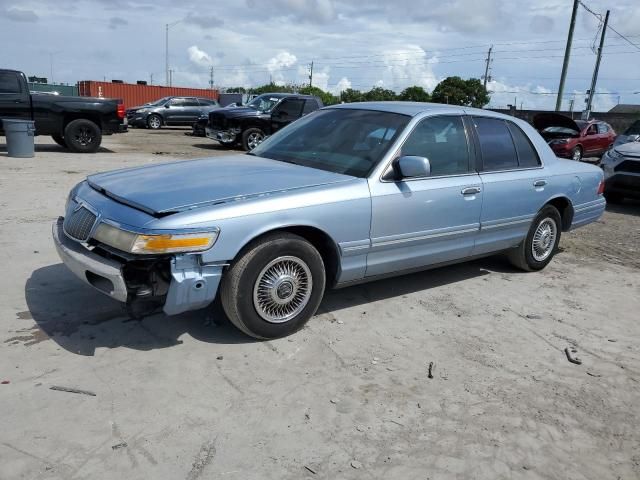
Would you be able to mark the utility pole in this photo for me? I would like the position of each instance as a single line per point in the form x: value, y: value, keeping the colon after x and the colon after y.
x: 311, y: 74
x: 486, y: 76
x: 211, y: 78
x: 170, y: 78
x: 594, y: 79
x: 151, y: 79
x: 166, y: 54
x: 567, y: 54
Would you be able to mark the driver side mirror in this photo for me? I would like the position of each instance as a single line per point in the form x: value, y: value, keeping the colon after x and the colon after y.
x: 166, y: 105
x: 411, y: 166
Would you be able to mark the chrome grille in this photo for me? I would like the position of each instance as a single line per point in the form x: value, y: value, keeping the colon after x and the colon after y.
x: 217, y: 121
x: 78, y: 224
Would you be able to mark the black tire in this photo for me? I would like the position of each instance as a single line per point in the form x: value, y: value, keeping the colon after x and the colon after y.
x: 611, y: 197
x: 250, y: 136
x: 576, y: 153
x: 154, y: 121
x: 238, y: 291
x: 59, y: 139
x: 523, y: 255
x: 82, y: 136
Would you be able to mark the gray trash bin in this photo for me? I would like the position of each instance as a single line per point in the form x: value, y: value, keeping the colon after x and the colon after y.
x: 20, y: 135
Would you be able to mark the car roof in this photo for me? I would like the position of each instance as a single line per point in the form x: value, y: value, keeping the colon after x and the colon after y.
x: 282, y: 95
x: 416, y: 108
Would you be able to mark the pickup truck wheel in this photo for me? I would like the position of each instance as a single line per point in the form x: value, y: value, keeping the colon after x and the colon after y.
x: 59, y: 139
x: 251, y: 138
x: 82, y: 136
x: 274, y: 287
x: 541, y: 244
x: 154, y: 121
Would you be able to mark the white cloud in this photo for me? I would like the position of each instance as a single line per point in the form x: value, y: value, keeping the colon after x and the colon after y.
x: 199, y: 57
x: 343, y: 84
x: 408, y: 66
x: 275, y: 65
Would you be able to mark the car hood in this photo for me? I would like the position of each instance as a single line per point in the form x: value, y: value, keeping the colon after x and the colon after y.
x: 173, y: 187
x: 631, y: 149
x: 544, y: 120
x: 238, y: 112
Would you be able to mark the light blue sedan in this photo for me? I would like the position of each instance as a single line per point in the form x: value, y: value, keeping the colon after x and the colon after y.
x: 348, y: 194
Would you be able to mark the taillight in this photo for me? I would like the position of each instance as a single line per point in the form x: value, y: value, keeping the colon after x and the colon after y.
x: 601, y: 187
x: 121, y: 110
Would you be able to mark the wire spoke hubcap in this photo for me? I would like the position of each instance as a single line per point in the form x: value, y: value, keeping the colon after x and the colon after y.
x: 282, y: 289
x: 544, y: 239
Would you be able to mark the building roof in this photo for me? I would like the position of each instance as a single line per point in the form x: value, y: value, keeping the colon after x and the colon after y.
x: 625, y: 108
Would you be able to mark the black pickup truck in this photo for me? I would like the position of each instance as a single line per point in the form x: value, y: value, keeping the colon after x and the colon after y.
x: 263, y: 116
x: 76, y: 123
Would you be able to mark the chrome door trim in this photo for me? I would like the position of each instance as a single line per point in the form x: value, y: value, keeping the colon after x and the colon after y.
x: 424, y: 235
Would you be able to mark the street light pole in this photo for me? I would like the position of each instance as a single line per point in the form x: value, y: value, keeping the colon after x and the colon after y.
x: 567, y: 54
x: 166, y: 51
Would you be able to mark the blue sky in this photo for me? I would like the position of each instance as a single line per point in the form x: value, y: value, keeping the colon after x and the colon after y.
x: 353, y: 44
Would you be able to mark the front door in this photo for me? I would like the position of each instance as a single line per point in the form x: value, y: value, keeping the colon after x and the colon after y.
x: 513, y: 181
x: 426, y: 221
x: 591, y: 141
x: 285, y: 112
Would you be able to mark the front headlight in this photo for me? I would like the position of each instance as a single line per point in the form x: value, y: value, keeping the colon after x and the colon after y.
x: 142, y: 110
x: 154, y: 244
x: 613, y: 154
x: 559, y: 141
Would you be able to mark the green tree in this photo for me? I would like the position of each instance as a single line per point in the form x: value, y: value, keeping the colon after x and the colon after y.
x: 236, y: 90
x: 414, y: 94
x: 378, y: 94
x: 456, y: 91
x: 326, y: 97
x: 350, y: 95
x: 273, y: 88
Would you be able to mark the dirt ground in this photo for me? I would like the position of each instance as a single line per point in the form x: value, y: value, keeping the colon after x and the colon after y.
x: 349, y: 396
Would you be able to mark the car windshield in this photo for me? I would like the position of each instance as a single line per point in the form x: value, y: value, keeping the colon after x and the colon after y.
x: 634, y: 129
x: 264, y: 103
x: 347, y: 141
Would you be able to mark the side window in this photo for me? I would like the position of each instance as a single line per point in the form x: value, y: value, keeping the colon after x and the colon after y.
x: 527, y: 155
x: 177, y: 102
x: 603, y: 128
x: 592, y: 130
x: 9, y: 83
x: 496, y: 145
x: 190, y: 102
x: 443, y: 141
x: 289, y: 108
x: 207, y: 103
x: 309, y: 106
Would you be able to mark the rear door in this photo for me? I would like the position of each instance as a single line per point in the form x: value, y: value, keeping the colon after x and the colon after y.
x: 425, y: 221
x: 15, y: 101
x: 191, y: 111
x: 605, y: 135
x: 513, y: 182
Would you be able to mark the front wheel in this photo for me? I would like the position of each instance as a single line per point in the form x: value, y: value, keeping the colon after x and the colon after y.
x: 541, y: 244
x: 576, y: 154
x: 82, y: 136
x: 154, y: 121
x: 252, y: 137
x: 275, y: 286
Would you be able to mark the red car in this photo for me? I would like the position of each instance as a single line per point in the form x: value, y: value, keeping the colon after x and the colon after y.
x: 574, y: 139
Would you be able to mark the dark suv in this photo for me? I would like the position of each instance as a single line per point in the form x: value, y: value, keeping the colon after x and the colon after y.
x: 170, y: 111
x: 264, y: 115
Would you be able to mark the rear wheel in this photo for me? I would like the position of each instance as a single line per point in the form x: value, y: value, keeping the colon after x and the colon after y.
x: 59, y: 139
x: 576, y: 154
x: 541, y: 244
x: 275, y: 286
x: 252, y: 137
x: 154, y: 121
x: 82, y: 136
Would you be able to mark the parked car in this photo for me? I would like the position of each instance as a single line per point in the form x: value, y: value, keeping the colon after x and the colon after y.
x: 263, y: 116
x: 621, y: 167
x: 170, y: 111
x: 348, y: 194
x: 631, y: 134
x: 76, y: 123
x: 574, y: 139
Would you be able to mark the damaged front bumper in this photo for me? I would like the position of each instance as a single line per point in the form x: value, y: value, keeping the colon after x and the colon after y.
x: 187, y: 285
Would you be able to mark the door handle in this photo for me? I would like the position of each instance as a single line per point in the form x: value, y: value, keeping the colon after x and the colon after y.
x: 539, y: 183
x: 470, y: 190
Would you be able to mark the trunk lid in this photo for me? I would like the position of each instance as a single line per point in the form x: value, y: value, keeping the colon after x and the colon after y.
x: 172, y: 187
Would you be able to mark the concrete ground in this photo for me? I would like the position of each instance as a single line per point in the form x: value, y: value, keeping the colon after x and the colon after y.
x: 349, y: 396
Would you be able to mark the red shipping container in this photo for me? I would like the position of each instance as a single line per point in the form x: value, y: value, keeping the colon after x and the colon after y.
x: 133, y: 95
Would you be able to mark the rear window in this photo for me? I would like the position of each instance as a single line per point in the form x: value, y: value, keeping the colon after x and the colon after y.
x: 634, y: 129
x: 9, y: 83
x: 496, y: 144
x: 309, y: 106
x: 527, y: 155
x: 603, y: 128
